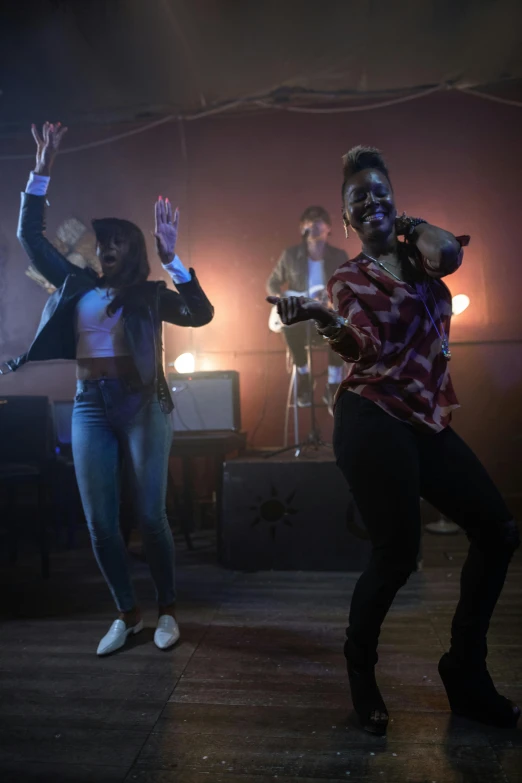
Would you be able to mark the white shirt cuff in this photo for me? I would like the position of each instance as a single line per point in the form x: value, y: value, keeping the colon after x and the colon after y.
x: 177, y: 271
x: 37, y: 184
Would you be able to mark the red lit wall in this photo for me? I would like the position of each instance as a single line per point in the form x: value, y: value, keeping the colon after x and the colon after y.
x: 454, y: 159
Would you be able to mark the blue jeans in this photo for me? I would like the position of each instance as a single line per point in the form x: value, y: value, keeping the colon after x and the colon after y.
x: 113, y: 423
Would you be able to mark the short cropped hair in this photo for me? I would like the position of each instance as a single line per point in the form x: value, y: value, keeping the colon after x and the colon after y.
x: 360, y: 158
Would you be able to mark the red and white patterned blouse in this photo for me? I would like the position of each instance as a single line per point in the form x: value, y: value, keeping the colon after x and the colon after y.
x: 391, y: 344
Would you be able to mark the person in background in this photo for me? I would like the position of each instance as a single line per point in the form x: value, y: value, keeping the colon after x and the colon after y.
x: 306, y: 268
x: 111, y: 325
x: 393, y: 440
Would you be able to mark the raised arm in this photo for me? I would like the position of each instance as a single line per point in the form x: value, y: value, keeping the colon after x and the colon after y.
x: 189, y: 307
x: 441, y: 252
x: 31, y: 226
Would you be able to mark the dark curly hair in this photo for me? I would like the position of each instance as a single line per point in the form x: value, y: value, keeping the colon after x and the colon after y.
x: 360, y: 158
x: 136, y: 268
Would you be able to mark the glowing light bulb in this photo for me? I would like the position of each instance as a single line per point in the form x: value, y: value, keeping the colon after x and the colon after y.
x: 459, y: 303
x: 185, y: 363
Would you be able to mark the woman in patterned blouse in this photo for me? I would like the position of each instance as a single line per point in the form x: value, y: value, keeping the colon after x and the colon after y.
x: 393, y: 440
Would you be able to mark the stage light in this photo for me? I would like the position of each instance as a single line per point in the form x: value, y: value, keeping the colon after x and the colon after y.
x: 185, y: 363
x: 459, y: 303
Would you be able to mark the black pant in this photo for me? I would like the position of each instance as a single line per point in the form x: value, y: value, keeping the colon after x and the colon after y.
x: 297, y: 340
x: 389, y: 466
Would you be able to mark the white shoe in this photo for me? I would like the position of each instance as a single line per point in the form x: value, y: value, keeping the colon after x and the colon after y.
x: 167, y: 632
x: 116, y: 636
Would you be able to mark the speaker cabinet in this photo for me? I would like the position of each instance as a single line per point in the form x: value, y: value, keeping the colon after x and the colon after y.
x: 205, y: 401
x: 290, y: 514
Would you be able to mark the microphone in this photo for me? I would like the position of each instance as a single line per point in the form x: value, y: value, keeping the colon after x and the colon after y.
x: 305, y: 234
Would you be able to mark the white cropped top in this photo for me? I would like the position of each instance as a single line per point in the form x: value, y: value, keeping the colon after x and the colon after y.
x: 99, y: 334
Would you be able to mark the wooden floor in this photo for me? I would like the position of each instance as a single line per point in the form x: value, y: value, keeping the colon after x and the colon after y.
x: 255, y: 691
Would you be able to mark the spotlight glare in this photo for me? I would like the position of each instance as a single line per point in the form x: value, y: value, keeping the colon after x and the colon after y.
x: 206, y: 365
x: 185, y: 363
x: 459, y: 303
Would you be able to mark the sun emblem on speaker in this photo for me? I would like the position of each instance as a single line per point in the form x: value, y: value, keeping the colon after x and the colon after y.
x: 274, y: 511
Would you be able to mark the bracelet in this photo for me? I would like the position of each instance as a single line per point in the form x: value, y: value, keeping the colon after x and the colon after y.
x: 332, y: 331
x: 412, y: 225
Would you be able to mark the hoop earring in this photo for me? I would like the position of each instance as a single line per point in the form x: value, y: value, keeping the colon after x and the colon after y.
x: 346, y: 224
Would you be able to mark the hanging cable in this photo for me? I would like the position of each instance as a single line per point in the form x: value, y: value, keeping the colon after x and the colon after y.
x: 486, y: 96
x: 266, y: 104
x: 363, y: 107
x: 101, y: 142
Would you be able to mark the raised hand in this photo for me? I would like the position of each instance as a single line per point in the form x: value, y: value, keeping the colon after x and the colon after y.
x: 165, y: 229
x: 47, y: 145
x: 293, y: 309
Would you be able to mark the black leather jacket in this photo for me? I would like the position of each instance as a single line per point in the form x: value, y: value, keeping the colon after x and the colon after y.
x: 55, y: 338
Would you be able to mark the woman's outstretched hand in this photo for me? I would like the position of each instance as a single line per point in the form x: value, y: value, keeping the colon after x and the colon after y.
x: 165, y: 229
x: 47, y: 145
x: 293, y: 309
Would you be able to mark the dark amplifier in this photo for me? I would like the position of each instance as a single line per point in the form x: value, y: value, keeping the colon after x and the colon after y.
x: 205, y: 401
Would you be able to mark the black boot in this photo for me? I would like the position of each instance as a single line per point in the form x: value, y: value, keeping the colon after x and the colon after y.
x: 472, y: 694
x: 366, y: 696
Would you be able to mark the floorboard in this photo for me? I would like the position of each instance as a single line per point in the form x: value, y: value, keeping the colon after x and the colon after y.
x: 255, y: 691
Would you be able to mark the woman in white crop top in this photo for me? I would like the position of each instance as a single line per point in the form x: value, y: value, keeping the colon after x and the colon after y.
x: 111, y: 325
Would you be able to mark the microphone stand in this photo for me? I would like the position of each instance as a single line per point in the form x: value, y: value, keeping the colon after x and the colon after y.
x: 314, y: 438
